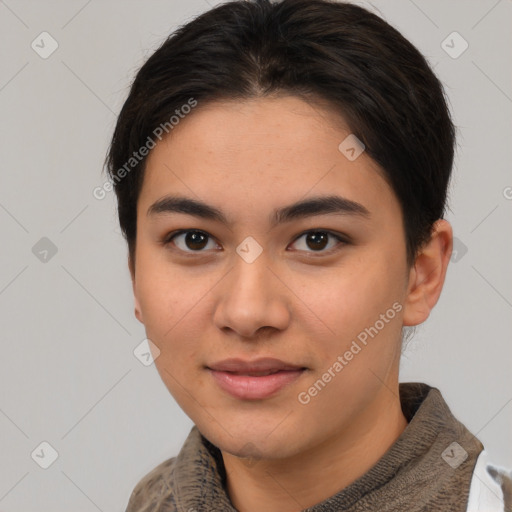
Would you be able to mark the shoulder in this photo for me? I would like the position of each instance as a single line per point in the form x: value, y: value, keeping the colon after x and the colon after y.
x: 490, y: 488
x: 153, y: 493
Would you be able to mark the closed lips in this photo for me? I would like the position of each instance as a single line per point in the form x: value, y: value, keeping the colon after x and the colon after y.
x: 256, y: 368
x: 254, y: 380
x: 260, y: 373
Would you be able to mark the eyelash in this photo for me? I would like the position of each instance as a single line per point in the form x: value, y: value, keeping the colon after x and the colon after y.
x: 341, y: 239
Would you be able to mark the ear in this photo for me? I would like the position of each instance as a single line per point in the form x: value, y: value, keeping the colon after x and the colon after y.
x: 138, y: 312
x: 427, y: 275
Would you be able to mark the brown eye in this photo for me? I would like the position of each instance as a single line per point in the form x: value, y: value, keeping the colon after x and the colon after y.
x: 317, y: 241
x: 190, y: 241
x: 196, y: 240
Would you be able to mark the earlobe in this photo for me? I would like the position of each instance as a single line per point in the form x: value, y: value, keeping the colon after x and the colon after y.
x: 137, y: 310
x: 138, y: 315
x: 427, y: 275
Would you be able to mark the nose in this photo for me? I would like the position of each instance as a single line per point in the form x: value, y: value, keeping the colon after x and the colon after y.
x: 252, y: 299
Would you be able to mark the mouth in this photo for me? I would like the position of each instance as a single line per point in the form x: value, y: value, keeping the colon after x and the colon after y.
x: 254, y: 380
x: 256, y: 374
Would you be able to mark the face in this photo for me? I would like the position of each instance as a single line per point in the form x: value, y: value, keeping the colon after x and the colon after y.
x: 242, y: 274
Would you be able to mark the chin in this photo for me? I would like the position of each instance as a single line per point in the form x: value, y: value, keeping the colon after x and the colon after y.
x: 250, y: 441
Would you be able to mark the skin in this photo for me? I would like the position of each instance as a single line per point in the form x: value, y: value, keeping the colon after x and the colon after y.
x: 295, y: 302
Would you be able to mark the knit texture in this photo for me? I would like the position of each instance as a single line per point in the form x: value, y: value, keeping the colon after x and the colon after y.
x: 423, y: 471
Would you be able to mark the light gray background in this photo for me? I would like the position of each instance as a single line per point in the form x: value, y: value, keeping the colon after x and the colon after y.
x: 68, y: 372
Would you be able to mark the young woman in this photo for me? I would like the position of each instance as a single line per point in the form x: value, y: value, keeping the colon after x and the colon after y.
x: 281, y: 170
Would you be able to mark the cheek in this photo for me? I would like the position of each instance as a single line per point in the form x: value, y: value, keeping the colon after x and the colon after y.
x: 163, y: 301
x: 363, y: 306
x: 352, y: 301
x: 163, y: 290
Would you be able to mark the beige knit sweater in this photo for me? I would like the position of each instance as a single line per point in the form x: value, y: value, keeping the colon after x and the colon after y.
x: 420, y: 471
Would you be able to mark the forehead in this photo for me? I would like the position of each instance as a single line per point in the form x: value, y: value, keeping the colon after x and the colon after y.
x: 239, y: 128
x: 260, y: 151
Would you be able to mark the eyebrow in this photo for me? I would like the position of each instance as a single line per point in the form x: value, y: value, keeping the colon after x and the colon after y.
x: 319, y: 205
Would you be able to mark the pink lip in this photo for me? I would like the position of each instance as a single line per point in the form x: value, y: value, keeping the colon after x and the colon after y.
x: 232, y: 375
x: 247, y: 387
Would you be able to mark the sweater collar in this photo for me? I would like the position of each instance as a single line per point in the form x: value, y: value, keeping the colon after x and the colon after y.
x: 424, y: 469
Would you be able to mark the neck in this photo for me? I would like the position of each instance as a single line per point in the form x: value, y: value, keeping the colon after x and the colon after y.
x: 310, y: 477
